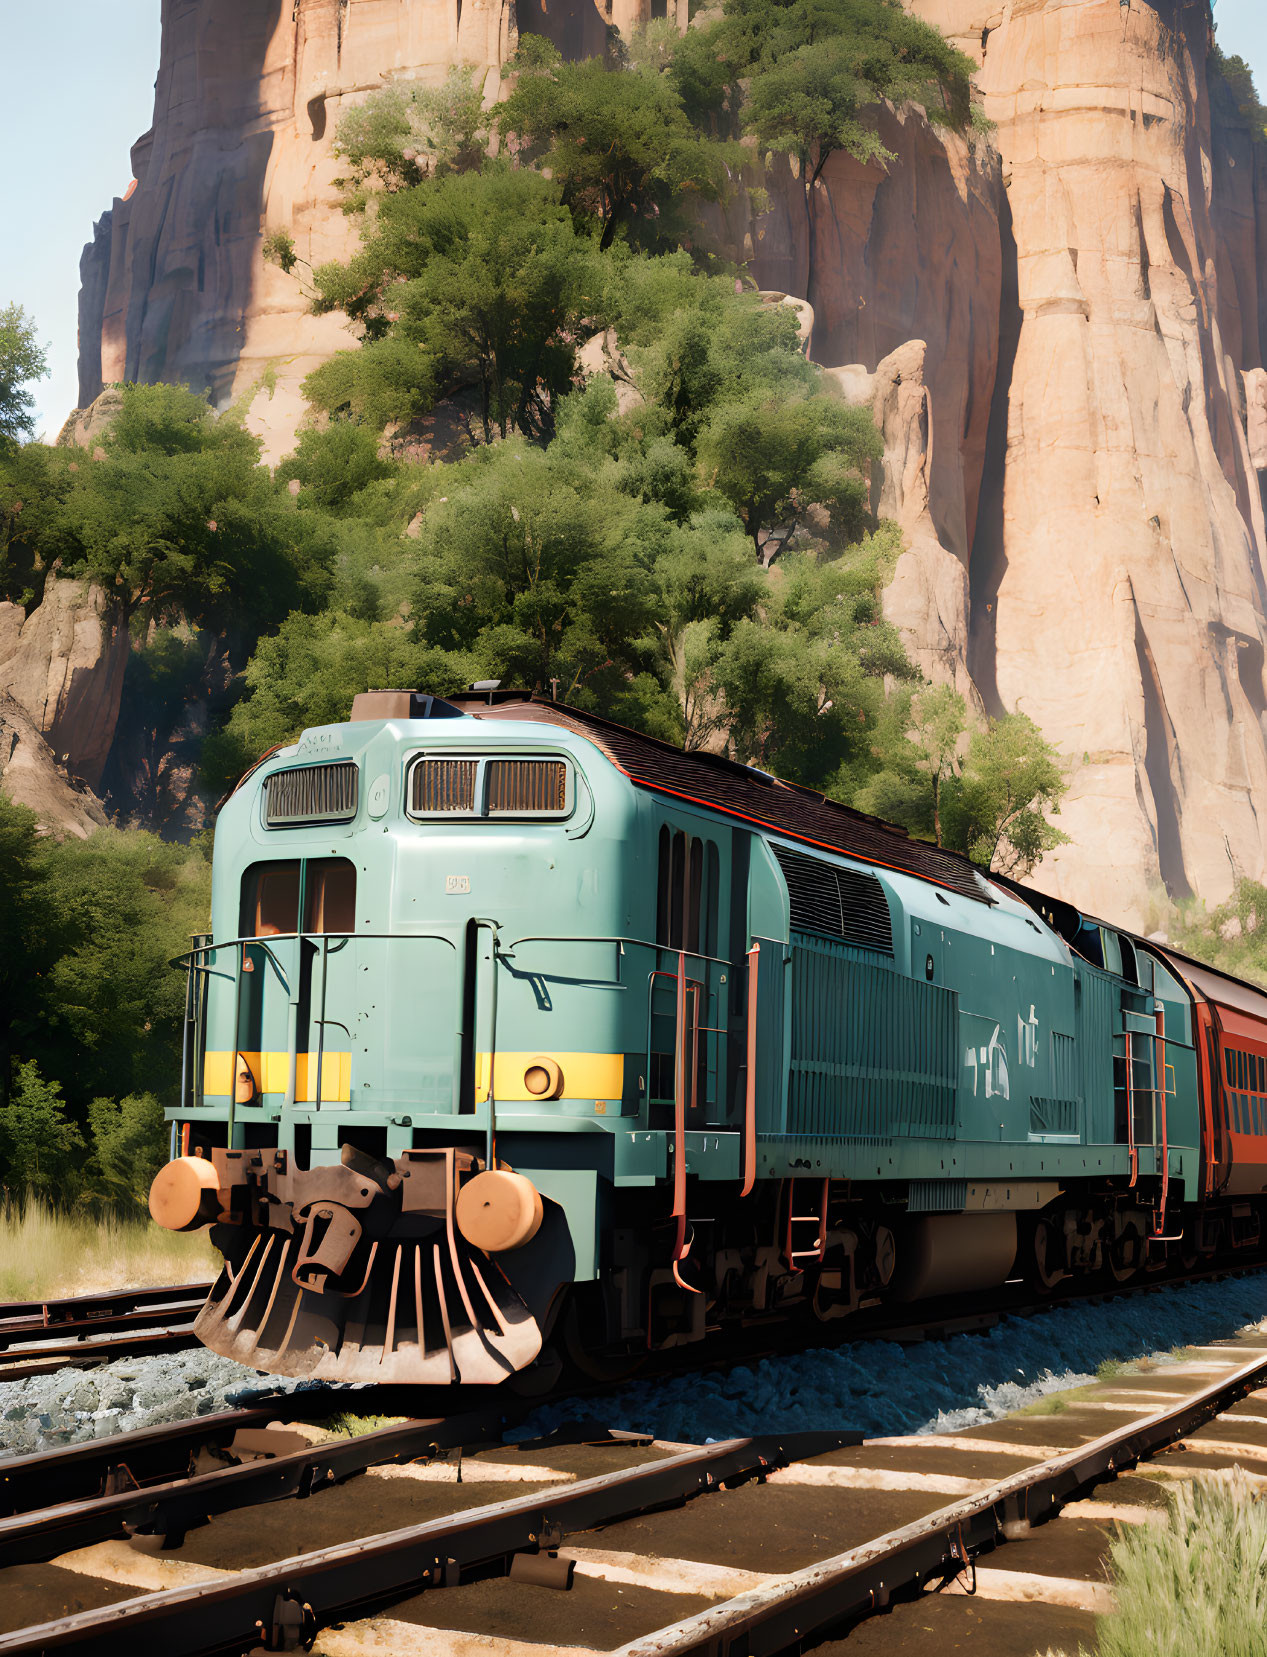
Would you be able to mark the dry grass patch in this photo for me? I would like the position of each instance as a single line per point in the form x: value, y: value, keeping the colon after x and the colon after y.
x: 1195, y: 1586
x: 45, y: 1255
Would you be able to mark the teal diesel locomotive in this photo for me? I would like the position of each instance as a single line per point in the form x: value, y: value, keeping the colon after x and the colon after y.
x: 519, y: 1032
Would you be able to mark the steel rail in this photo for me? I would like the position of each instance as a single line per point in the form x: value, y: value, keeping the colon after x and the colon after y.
x: 42, y: 1360
x: 38, y: 1320
x: 807, y: 1604
x: 82, y: 1472
x: 173, y: 1508
x: 280, y: 1604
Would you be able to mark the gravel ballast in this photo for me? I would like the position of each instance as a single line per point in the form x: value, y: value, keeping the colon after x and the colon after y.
x: 875, y: 1387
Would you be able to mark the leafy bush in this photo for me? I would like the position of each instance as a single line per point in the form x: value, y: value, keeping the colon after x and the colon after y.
x: 41, y: 1149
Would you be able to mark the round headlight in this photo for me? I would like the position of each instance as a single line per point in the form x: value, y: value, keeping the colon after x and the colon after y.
x: 543, y: 1079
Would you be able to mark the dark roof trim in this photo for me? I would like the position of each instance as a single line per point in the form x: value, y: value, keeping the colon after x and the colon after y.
x: 721, y: 785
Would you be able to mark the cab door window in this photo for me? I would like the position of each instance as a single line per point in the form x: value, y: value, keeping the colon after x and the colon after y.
x: 272, y: 892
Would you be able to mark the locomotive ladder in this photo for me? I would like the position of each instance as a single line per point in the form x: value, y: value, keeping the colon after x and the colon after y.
x: 819, y: 1221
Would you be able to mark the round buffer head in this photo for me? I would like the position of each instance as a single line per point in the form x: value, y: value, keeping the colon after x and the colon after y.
x: 498, y: 1210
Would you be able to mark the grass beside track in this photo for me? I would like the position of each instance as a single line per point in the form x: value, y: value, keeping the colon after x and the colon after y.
x: 45, y: 1255
x: 1195, y: 1586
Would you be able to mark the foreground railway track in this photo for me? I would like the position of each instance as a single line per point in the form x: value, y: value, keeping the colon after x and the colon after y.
x: 817, y: 1531
x: 41, y: 1335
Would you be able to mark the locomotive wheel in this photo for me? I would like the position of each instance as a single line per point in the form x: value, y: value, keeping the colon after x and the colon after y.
x: 1046, y: 1256
x: 595, y: 1366
x: 1123, y: 1256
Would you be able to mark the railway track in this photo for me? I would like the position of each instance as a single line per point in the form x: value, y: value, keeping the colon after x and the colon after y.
x: 37, y: 1336
x: 612, y: 1543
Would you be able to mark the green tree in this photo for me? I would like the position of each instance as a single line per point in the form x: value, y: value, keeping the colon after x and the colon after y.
x: 617, y: 140
x: 29, y: 934
x: 40, y: 1147
x: 171, y: 513
x: 22, y: 359
x: 995, y: 808
x: 124, y: 904
x: 486, y: 279
x: 307, y: 674
x: 537, y: 569
x: 919, y: 744
x: 772, y: 459
x: 335, y: 464
x: 406, y: 133
x: 129, y: 1144
x: 811, y: 68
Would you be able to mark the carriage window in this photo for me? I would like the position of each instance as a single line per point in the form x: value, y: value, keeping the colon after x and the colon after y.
x: 270, y: 897
x: 687, y: 889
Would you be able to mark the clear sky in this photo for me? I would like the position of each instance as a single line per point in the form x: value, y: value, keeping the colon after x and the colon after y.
x: 80, y: 90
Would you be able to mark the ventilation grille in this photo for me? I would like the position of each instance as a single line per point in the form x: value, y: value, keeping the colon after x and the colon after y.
x: 444, y: 785
x: 311, y: 794
x: 841, y: 902
x: 527, y: 786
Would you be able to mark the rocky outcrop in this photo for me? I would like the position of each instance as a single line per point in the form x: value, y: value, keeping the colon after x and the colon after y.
x: 1117, y: 589
x: 928, y: 596
x: 31, y: 776
x: 63, y: 665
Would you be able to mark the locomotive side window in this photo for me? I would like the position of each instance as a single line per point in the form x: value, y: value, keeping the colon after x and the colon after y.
x: 270, y: 897
x: 687, y: 893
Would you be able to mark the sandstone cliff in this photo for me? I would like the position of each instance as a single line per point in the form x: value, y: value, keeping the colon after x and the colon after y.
x: 1116, y: 575
x: 1059, y: 326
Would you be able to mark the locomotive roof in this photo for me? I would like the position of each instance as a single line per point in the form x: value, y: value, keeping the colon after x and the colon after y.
x: 725, y: 786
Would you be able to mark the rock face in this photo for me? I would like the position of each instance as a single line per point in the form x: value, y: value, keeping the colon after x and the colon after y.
x: 247, y: 102
x: 1116, y: 575
x: 906, y: 290
x: 31, y: 776
x: 63, y: 665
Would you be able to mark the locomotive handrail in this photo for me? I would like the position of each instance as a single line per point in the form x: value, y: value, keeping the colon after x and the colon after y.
x: 190, y: 960
x: 621, y: 942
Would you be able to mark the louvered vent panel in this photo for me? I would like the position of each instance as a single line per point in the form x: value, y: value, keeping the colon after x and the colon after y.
x: 311, y: 794
x: 446, y: 785
x: 843, y: 902
x: 527, y: 786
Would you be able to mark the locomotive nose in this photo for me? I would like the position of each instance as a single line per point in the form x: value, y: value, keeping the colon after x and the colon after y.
x: 498, y: 1210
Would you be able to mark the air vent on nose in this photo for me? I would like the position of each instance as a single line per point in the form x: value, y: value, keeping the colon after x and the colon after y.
x: 311, y: 794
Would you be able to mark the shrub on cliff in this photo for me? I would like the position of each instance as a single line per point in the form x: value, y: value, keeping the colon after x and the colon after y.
x: 619, y: 143
x: 481, y: 279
